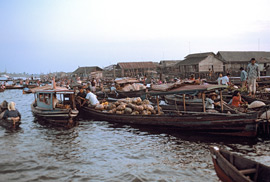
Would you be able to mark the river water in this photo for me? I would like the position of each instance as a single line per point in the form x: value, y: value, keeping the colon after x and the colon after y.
x: 103, y: 151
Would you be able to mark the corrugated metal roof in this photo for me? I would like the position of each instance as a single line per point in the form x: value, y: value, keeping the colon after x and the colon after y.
x: 191, y: 61
x: 136, y: 65
x: 241, y: 56
x: 205, y: 54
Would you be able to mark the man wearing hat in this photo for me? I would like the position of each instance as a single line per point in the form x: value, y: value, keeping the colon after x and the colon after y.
x: 253, y: 74
x: 210, y: 102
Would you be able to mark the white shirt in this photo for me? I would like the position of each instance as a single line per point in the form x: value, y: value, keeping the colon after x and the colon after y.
x: 225, y: 80
x: 209, y: 104
x: 92, y: 98
x: 219, y: 80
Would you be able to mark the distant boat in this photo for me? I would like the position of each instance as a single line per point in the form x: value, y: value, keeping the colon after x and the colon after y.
x: 231, y: 167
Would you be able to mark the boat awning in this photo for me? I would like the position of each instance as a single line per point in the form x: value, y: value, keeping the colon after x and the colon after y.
x: 188, y: 89
x: 49, y: 89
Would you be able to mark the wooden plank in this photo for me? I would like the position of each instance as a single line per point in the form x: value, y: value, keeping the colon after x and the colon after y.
x: 203, y: 98
x: 248, y: 171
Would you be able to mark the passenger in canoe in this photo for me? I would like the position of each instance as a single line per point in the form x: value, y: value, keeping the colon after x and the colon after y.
x: 3, y: 108
x: 90, y: 98
x: 12, y: 112
x: 236, y: 99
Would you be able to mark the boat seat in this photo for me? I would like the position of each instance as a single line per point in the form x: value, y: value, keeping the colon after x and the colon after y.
x: 248, y: 171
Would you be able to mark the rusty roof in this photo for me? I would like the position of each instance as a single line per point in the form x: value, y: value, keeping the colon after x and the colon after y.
x: 136, y: 65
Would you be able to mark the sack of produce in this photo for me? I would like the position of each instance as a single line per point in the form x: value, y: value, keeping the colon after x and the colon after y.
x: 113, y: 111
x: 265, y: 115
x: 256, y: 104
x: 119, y: 112
x: 135, y: 113
x: 121, y: 107
x: 139, y: 108
x: 145, y: 101
x: 130, y: 105
x: 99, y: 107
x: 111, y: 106
x: 128, y: 110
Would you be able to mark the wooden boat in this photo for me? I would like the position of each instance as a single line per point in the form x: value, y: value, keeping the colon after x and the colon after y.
x: 14, y: 87
x: 250, y: 99
x: 10, y: 123
x: 241, y: 124
x: 134, y: 93
x: 2, y: 89
x: 62, y: 114
x: 231, y: 167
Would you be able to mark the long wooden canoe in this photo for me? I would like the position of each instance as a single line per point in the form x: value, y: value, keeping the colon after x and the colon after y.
x: 214, y: 123
x: 231, y: 167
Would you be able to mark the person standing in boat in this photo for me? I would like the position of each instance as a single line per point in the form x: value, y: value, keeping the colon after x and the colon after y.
x: 253, y: 74
x: 93, y: 85
x: 12, y: 112
x: 243, y: 77
x: 91, y: 98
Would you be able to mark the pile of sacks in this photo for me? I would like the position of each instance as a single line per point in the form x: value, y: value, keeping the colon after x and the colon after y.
x: 131, y: 106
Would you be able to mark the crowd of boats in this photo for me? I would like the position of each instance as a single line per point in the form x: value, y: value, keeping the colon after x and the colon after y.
x: 185, y: 105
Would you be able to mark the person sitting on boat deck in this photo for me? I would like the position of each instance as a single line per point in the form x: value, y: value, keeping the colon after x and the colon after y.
x: 12, y: 111
x: 90, y: 98
x: 80, y: 97
x: 210, y: 103
x: 236, y: 99
x: 3, y: 108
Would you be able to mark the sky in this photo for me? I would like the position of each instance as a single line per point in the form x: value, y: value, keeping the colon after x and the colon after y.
x: 43, y: 36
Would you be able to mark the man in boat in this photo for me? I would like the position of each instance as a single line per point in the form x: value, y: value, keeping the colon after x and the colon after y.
x: 91, y: 98
x: 3, y: 108
x: 219, y: 80
x: 80, y: 97
x: 225, y: 79
x: 253, y: 74
x: 12, y: 112
x: 210, y: 103
x: 243, y: 77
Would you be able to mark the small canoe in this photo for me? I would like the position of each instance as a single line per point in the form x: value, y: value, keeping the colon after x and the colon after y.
x: 231, y: 167
x: 10, y: 123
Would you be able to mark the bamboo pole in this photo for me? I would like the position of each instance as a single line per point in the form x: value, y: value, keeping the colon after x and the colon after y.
x: 158, y: 105
x: 203, y: 98
x: 221, y: 101
x: 184, y: 102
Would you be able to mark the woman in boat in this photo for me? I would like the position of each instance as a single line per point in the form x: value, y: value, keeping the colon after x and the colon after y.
x: 236, y: 99
x: 12, y: 112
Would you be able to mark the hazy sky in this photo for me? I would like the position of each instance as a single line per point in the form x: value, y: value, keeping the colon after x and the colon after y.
x: 60, y: 35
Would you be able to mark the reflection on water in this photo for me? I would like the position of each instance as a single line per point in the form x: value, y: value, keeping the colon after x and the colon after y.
x: 102, y: 151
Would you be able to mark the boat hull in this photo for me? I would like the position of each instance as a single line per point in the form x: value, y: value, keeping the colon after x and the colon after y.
x: 224, y: 124
x: 10, y: 124
x: 231, y: 167
x: 56, y: 116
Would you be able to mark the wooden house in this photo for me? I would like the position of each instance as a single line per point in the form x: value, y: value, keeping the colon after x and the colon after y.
x: 201, y: 65
x: 233, y: 60
x: 86, y: 72
x: 134, y: 69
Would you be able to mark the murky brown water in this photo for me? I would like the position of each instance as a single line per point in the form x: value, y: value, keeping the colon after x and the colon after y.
x: 102, y: 151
